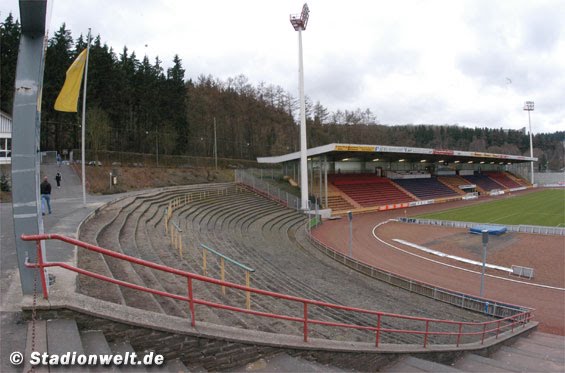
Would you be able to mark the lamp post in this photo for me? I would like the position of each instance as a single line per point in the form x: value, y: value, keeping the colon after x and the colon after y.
x: 299, y: 23
x: 529, y: 106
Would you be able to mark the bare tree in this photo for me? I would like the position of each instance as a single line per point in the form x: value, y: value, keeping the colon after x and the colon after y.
x: 97, y: 129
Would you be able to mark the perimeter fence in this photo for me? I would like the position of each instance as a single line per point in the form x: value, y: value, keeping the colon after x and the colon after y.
x: 268, y: 190
x: 533, y: 229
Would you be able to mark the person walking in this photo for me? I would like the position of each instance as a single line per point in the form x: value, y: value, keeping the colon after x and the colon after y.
x: 45, y: 189
x: 58, y: 179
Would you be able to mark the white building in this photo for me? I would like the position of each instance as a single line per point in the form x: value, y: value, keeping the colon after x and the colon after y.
x: 5, y: 138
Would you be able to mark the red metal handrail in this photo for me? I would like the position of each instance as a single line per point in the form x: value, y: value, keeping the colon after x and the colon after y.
x: 510, y: 321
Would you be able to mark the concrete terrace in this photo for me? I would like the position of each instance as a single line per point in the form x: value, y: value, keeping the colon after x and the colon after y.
x: 240, y: 224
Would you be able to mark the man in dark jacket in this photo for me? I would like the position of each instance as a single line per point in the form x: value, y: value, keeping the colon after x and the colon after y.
x: 45, y: 189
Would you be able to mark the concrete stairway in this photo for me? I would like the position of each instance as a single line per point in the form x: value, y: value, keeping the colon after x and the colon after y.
x: 286, y: 363
x: 539, y: 352
x: 61, y: 336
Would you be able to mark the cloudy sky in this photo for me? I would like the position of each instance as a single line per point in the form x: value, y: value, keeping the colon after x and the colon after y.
x: 472, y: 63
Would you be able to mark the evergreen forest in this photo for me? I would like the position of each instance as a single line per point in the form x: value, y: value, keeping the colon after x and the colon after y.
x: 134, y: 103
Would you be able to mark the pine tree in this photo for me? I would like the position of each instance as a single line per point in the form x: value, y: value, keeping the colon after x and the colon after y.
x: 9, y: 44
x: 56, y: 127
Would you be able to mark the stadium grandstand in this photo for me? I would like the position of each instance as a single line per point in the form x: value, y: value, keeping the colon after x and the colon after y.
x: 216, y: 277
x: 353, y: 177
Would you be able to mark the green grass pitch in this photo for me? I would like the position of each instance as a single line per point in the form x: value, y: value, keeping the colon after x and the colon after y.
x: 545, y: 208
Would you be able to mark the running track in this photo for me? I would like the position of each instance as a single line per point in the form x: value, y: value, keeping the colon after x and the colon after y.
x: 549, y: 304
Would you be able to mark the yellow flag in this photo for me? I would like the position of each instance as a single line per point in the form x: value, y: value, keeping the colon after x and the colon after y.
x: 68, y: 97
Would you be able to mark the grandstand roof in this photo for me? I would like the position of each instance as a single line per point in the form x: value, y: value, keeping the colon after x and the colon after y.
x: 386, y: 153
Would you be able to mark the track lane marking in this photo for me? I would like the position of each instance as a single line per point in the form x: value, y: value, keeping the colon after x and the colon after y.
x: 456, y: 267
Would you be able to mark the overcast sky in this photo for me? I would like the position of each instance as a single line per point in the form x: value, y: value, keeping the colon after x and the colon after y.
x: 472, y: 63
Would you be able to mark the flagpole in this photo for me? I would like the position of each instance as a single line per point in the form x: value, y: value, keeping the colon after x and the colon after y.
x: 83, y: 126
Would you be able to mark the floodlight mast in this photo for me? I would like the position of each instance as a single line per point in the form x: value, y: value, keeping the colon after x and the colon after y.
x: 299, y: 23
x: 529, y: 106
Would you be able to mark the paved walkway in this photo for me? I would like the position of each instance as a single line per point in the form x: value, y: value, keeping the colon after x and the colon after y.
x: 67, y: 213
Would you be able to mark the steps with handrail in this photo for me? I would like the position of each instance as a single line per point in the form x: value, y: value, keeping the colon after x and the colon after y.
x: 261, y: 234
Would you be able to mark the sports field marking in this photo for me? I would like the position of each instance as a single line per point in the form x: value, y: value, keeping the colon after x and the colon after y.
x: 454, y: 257
x: 453, y: 266
x: 503, y: 217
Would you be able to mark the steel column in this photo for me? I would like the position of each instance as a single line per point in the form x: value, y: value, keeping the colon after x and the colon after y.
x: 26, y: 130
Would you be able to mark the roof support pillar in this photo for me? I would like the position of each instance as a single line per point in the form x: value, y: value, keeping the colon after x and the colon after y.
x: 26, y: 131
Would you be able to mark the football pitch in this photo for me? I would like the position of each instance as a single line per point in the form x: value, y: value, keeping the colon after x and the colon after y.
x: 545, y: 208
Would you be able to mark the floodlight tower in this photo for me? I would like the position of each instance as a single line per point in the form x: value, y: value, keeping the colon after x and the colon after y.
x: 299, y: 23
x: 529, y: 106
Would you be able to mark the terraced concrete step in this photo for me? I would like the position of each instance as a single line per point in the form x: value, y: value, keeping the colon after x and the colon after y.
x: 476, y: 363
x: 196, y: 369
x: 123, y: 348
x: 527, y: 361
x: 285, y: 363
x: 174, y: 366
x: 549, y: 340
x: 412, y: 364
x: 541, y: 350
x: 39, y: 345
x: 63, y: 337
x: 94, y: 342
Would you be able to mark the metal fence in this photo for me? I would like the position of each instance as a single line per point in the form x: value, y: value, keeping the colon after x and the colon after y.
x: 271, y: 191
x: 268, y: 173
x: 533, y: 229
x: 118, y: 158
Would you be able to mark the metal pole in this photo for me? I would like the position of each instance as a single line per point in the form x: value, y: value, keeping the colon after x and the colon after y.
x: 485, y: 241
x: 83, y: 126
x: 531, y: 149
x: 311, y: 175
x: 326, y: 178
x: 215, y: 146
x: 157, y: 147
x: 350, y: 216
x: 320, y: 186
x: 303, y: 145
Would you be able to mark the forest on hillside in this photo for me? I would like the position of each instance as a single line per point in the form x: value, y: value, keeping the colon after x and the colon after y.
x: 134, y: 105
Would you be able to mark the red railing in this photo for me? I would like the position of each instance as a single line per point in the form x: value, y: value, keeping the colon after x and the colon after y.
x: 509, y: 322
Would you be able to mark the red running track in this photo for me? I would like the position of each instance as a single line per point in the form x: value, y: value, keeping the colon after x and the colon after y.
x: 549, y: 303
